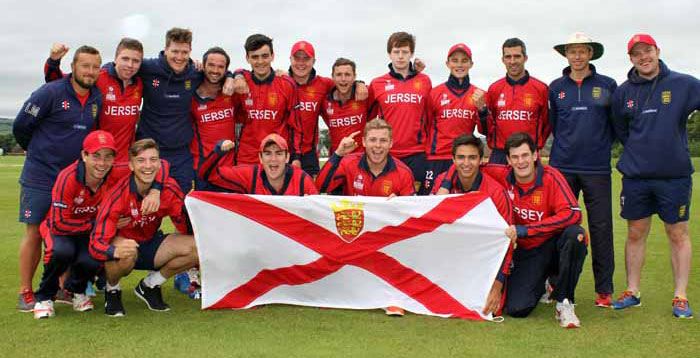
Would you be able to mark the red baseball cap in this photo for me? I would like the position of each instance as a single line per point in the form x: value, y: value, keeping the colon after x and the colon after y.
x: 275, y: 138
x: 640, y: 38
x: 97, y: 140
x: 304, y: 46
x: 460, y: 47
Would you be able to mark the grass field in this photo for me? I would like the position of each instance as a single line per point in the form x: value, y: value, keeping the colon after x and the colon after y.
x: 288, y: 331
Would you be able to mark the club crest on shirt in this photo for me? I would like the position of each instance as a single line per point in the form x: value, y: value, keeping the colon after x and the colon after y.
x: 249, y: 101
x: 329, y: 109
x: 349, y: 219
x: 596, y: 92
x: 681, y: 211
x: 537, y: 197
x: 528, y: 100
x: 79, y: 199
x: 562, y: 95
x: 359, y: 182
x: 202, y: 107
x: 272, y: 99
x: 65, y: 105
x: 155, y: 83
x: 137, y: 95
x: 666, y: 97
x: 355, y: 106
x: 188, y: 85
x: 630, y: 104
x: 94, y: 110
x: 417, y: 85
x: 386, y: 187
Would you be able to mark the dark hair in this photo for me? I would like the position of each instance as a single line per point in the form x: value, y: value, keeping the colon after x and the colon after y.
x: 518, y: 139
x: 257, y: 41
x: 141, y: 145
x: 129, y: 44
x: 180, y: 35
x: 85, y: 49
x: 400, y: 39
x: 216, y: 50
x: 468, y: 139
x: 514, y: 42
x: 343, y: 62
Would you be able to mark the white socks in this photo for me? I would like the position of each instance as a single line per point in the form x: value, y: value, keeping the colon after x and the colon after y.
x: 154, y: 279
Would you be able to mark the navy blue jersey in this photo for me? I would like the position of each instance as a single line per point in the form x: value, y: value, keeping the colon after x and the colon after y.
x: 167, y: 97
x: 581, y: 125
x: 51, y: 127
x: 650, y: 117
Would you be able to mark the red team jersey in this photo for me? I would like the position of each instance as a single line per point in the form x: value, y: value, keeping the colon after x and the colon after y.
x: 517, y: 106
x: 121, y: 105
x: 123, y: 200
x: 402, y: 103
x: 268, y: 108
x: 212, y: 121
x: 541, y: 209
x: 352, y: 174
x: 251, y: 179
x: 74, y: 205
x: 451, y: 112
x: 483, y: 183
x: 343, y: 119
x: 310, y: 96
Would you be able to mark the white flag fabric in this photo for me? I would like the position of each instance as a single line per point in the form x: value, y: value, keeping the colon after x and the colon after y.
x: 433, y: 255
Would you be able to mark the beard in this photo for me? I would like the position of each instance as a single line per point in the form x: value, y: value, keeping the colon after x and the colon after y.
x: 84, y: 84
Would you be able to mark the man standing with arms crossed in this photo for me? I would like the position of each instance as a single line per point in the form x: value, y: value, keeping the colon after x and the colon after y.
x: 579, y: 113
x: 517, y: 103
x: 650, y: 113
x: 51, y: 127
x: 400, y: 97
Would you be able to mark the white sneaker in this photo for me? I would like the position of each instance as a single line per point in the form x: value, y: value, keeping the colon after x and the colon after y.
x: 82, y: 302
x: 566, y: 315
x: 548, y: 289
x: 44, y: 309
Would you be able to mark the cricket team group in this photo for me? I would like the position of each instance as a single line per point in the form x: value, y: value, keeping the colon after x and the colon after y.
x: 114, y: 148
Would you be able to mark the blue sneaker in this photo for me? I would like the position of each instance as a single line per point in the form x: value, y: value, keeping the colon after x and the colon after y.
x: 90, y: 290
x: 182, y: 282
x: 681, y: 308
x: 628, y: 299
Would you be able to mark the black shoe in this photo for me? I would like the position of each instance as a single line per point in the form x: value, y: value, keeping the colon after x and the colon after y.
x: 152, y: 297
x: 113, y: 303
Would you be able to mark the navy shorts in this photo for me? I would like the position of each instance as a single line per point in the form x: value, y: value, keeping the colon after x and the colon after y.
x: 309, y: 162
x: 34, y: 204
x: 417, y: 164
x: 181, y: 164
x: 433, y: 168
x: 147, y: 252
x: 670, y: 198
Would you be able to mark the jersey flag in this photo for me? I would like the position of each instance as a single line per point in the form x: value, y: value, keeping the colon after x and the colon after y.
x: 436, y: 255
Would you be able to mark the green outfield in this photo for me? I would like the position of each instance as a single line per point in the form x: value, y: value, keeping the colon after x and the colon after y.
x: 288, y: 331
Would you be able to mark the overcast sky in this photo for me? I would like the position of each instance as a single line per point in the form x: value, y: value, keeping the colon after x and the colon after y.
x: 355, y: 29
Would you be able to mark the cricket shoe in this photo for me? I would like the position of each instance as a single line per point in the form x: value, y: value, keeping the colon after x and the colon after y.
x: 603, y: 300
x: 25, y: 301
x: 44, y: 309
x: 628, y: 299
x: 64, y: 296
x: 566, y: 315
x: 113, y: 303
x: 394, y: 311
x: 548, y: 289
x: 82, y: 302
x: 681, y: 308
x: 152, y: 296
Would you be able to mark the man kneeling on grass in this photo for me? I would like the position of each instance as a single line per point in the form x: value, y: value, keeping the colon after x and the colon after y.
x: 125, y: 239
